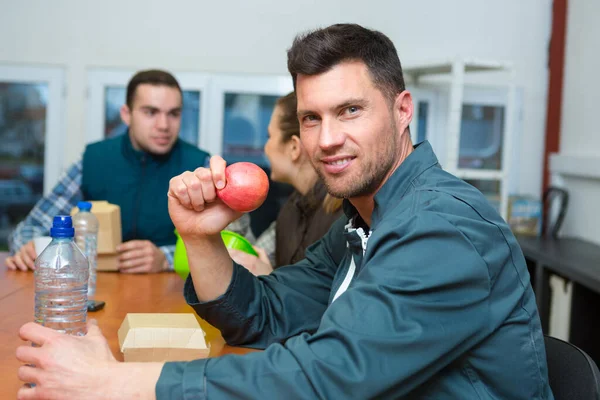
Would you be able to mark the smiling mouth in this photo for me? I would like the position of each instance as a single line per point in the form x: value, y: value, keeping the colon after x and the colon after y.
x: 339, y: 162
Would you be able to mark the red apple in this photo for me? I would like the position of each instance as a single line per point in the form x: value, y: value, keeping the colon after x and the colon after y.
x: 246, y: 188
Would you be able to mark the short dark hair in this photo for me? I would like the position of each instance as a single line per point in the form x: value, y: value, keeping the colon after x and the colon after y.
x: 318, y: 51
x: 152, y: 77
x: 288, y: 120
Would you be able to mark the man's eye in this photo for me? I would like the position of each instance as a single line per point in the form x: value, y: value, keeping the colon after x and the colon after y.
x: 352, y: 110
x: 149, y: 112
x: 310, y: 118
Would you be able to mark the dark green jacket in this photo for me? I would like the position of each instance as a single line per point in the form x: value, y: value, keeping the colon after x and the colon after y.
x: 438, y: 306
x: 138, y: 182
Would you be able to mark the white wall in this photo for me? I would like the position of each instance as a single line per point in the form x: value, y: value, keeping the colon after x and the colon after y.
x: 580, y: 135
x: 252, y: 37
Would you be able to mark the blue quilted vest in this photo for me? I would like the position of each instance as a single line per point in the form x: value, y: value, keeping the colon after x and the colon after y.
x: 138, y: 182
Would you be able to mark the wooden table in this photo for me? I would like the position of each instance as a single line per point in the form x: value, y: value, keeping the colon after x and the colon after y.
x: 122, y: 293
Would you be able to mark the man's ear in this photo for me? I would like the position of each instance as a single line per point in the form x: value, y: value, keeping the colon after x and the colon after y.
x: 125, y: 114
x: 403, y: 110
x: 295, y: 147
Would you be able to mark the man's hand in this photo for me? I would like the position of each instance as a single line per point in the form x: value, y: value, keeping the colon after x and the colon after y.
x: 23, y: 259
x: 79, y: 367
x: 194, y: 207
x: 141, y: 256
x: 66, y: 367
x: 199, y: 217
x: 257, y: 265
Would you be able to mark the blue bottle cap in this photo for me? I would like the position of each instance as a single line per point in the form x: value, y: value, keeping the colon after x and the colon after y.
x: 84, y: 205
x: 62, y: 227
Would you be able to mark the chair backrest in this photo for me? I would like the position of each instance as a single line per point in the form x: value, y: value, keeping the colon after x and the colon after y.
x: 573, y: 375
x: 551, y: 222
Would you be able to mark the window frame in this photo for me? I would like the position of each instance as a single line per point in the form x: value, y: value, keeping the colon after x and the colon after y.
x: 438, y: 96
x: 54, y: 77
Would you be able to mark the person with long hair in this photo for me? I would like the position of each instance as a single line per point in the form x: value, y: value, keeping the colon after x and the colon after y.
x: 308, y: 213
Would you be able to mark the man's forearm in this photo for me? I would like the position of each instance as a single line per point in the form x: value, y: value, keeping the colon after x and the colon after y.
x: 211, y: 266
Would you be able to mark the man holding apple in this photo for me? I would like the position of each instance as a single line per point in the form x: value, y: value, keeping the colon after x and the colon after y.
x: 420, y: 291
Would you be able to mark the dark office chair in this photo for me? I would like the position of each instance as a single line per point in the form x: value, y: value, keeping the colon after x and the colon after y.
x: 554, y: 195
x: 573, y: 375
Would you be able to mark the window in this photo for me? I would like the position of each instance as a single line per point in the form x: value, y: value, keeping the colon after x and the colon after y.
x: 481, y: 132
x: 426, y: 115
x: 422, y: 113
x: 480, y: 157
x: 31, y: 106
x: 245, y: 122
x: 490, y: 189
x: 240, y: 109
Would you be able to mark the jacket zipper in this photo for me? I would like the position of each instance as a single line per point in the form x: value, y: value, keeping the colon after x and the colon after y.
x: 364, y: 238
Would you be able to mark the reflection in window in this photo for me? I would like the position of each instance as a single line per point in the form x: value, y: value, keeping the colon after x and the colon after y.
x: 245, y: 126
x: 490, y: 188
x: 481, y: 135
x: 22, y: 134
x: 422, y: 121
x: 114, y: 98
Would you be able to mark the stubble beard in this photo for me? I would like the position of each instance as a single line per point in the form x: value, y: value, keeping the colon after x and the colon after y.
x: 374, y: 171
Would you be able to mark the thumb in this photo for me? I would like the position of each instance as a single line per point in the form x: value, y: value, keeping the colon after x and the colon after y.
x: 92, y: 328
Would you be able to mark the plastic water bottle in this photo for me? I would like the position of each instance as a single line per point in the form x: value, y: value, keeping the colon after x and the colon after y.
x: 61, y: 279
x: 86, y: 237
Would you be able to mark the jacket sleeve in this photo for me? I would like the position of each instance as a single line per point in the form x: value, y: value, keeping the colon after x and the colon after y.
x: 419, y: 302
x: 258, y: 311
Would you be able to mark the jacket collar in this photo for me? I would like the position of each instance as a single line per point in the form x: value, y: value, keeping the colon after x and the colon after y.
x: 421, y: 159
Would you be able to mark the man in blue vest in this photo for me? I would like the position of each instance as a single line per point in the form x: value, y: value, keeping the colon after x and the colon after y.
x: 133, y: 171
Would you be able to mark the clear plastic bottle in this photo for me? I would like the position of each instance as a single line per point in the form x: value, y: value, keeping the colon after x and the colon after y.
x: 86, y: 237
x: 61, y: 279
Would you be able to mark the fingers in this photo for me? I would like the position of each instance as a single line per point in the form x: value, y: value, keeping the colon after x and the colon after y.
x: 244, y: 259
x: 217, y: 167
x: 23, y: 264
x: 205, y: 178
x: 10, y: 263
x: 28, y: 354
x: 29, y: 248
x: 36, y: 333
x: 127, y: 246
x: 93, y: 329
x: 132, y: 245
x: 133, y: 254
x: 262, y: 254
x: 27, y: 254
x: 126, y: 266
x: 28, y: 374
x: 194, y: 187
x: 137, y: 270
x: 27, y: 393
x: 179, y: 191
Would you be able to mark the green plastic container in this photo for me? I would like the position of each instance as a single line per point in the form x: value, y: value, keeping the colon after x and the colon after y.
x: 232, y: 240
